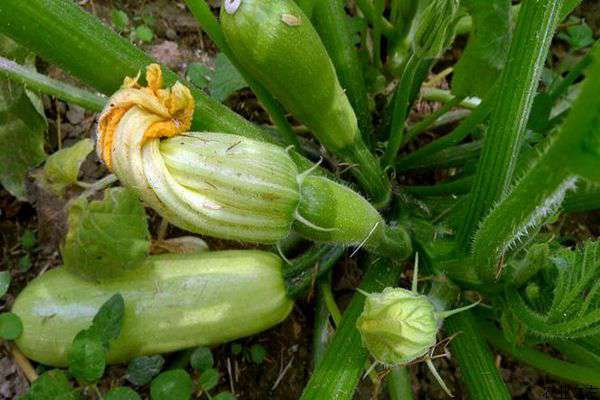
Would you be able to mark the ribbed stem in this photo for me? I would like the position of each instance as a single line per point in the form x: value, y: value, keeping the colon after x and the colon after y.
x: 209, y: 24
x: 339, y: 372
x: 401, y: 103
x: 433, y: 149
x: 330, y: 21
x: 479, y: 374
x: 38, y: 82
x: 518, y: 83
x: 398, y: 383
x: 315, y: 262
x: 559, y: 369
x: 60, y: 32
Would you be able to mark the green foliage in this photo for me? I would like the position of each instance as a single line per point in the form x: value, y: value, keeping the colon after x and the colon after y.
x: 201, y: 359
x: 106, y: 238
x: 143, y: 33
x: 485, y: 54
x: 11, y: 326
x: 120, y: 19
x: 172, y: 385
x: 141, y: 370
x: 61, y: 168
x: 226, y: 80
x: 28, y: 240
x: 258, y: 353
x: 87, y: 356
x: 22, y: 126
x: 578, y: 34
x: 209, y: 379
x: 198, y: 75
x: 4, y: 282
x: 122, y: 393
x: 572, y: 308
x: 52, y: 385
x: 224, y: 396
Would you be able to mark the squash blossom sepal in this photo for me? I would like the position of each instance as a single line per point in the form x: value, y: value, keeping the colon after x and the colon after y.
x: 224, y: 185
x: 399, y: 326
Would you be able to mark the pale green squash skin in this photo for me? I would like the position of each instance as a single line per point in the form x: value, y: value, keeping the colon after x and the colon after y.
x: 172, y: 302
x: 293, y: 64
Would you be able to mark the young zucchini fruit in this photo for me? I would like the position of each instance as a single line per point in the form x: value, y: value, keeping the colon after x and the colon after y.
x: 277, y: 45
x: 228, y: 186
x: 172, y: 302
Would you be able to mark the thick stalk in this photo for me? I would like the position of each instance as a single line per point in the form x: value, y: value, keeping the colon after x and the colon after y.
x: 448, y: 157
x: 339, y: 372
x: 479, y: 374
x: 434, y: 148
x: 38, y: 82
x: 209, y: 23
x: 60, y: 32
x: 330, y: 21
x: 556, y: 368
x: 572, y: 153
x: 527, y: 54
x: 398, y: 383
x: 401, y: 104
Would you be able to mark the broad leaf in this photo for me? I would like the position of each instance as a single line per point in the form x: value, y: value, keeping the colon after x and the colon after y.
x: 172, y: 385
x: 122, y: 393
x: 141, y: 370
x: 107, y: 321
x: 62, y: 167
x: 487, y: 48
x: 106, y: 238
x: 21, y: 127
x: 227, y: 79
x: 51, y: 385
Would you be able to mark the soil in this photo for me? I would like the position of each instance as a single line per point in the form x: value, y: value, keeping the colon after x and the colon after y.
x: 179, y: 41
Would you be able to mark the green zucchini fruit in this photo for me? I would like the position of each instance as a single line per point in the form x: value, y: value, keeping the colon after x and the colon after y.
x: 275, y: 42
x: 171, y: 303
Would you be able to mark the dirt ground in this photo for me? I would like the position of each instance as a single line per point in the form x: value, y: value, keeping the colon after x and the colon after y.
x: 179, y: 41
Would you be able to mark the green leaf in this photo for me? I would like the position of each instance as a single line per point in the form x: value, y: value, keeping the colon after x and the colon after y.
x: 172, y: 385
x: 578, y: 34
x: 141, y: 370
x: 236, y: 349
x: 122, y: 393
x: 119, y: 19
x: 209, y: 379
x: 21, y: 127
x: 258, y: 353
x: 224, y: 396
x: 487, y: 48
x: 25, y: 263
x: 106, y: 238
x: 62, y: 167
x: 87, y: 357
x: 11, y: 326
x: 201, y: 359
x: 28, y: 240
x: 4, y: 282
x: 227, y: 79
x: 198, y: 75
x: 108, y: 320
x: 52, y: 385
x: 144, y: 33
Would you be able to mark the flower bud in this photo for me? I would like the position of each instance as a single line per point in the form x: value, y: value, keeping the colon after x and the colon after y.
x: 398, y: 326
x: 435, y: 28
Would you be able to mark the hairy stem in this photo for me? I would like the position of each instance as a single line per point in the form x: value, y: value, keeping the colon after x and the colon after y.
x: 338, y: 374
x: 534, y: 31
x: 479, y: 374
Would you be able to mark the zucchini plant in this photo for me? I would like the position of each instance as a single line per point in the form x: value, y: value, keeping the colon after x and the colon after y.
x: 351, y: 88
